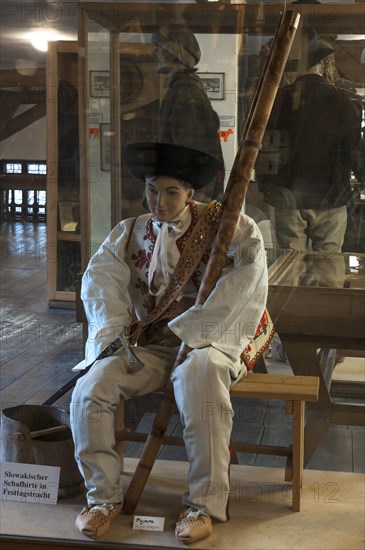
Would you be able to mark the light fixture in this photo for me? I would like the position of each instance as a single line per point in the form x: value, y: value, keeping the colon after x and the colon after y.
x: 40, y: 42
x: 39, y: 39
x: 350, y: 37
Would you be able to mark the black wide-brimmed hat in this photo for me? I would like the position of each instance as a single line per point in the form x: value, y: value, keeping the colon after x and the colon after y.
x: 306, y: 51
x: 165, y: 159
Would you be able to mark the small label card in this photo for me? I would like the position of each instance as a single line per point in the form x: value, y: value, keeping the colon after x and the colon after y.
x: 226, y: 121
x: 29, y: 482
x: 95, y: 118
x: 148, y: 523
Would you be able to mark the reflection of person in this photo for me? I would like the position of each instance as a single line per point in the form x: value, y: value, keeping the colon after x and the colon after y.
x: 124, y: 279
x: 324, y: 270
x: 322, y: 124
x: 186, y: 116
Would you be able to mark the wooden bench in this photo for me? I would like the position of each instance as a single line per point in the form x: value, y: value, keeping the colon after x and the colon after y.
x: 295, y: 391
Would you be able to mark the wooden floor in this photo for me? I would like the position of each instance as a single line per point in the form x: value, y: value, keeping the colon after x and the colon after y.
x: 39, y: 346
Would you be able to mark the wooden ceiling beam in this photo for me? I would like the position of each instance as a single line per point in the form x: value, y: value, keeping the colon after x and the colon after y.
x: 10, y: 79
x: 23, y: 120
x: 9, y: 105
x: 222, y: 17
x: 24, y: 96
x: 348, y: 59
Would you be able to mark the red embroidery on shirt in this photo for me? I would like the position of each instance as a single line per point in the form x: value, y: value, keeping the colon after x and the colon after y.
x: 142, y: 259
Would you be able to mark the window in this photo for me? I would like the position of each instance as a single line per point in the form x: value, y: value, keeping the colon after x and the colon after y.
x: 36, y: 168
x: 13, y: 168
x: 24, y: 193
x: 32, y: 167
x: 37, y: 199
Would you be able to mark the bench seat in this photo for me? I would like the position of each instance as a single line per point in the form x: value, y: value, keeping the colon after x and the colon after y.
x: 295, y: 391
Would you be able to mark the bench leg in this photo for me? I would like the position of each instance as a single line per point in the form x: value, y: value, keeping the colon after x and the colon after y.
x: 298, y: 453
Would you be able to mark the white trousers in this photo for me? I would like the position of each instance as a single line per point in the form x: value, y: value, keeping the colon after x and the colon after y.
x: 201, y: 386
x: 324, y: 229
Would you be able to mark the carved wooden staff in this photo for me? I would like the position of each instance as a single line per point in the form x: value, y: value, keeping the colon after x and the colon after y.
x: 232, y: 203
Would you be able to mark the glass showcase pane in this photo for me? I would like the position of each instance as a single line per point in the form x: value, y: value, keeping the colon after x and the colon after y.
x: 188, y: 76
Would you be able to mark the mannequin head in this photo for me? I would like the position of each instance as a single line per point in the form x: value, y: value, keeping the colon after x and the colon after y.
x: 167, y: 196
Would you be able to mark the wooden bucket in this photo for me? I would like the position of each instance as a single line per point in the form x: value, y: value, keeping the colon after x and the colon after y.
x: 38, y: 434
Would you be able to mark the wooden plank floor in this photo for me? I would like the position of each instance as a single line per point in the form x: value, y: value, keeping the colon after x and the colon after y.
x: 40, y: 345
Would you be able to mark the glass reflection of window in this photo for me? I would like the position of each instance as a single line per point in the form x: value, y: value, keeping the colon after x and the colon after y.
x: 18, y: 200
x: 13, y: 168
x: 37, y: 168
x: 42, y: 197
x: 354, y: 264
x: 30, y: 201
x: 38, y: 198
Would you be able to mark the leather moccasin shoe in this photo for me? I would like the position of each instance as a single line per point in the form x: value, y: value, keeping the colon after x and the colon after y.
x: 94, y: 521
x: 193, y: 525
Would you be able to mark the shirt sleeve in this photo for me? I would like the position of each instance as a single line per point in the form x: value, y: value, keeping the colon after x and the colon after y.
x: 104, y: 292
x: 229, y: 317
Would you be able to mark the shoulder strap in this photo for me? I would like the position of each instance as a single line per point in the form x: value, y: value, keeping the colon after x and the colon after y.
x: 195, y: 246
x: 129, y: 234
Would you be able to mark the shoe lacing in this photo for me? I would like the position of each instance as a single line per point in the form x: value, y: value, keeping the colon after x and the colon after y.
x: 105, y: 509
x: 191, y: 516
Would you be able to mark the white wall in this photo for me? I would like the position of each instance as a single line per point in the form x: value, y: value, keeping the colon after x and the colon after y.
x: 219, y: 56
x: 29, y: 143
x: 99, y: 112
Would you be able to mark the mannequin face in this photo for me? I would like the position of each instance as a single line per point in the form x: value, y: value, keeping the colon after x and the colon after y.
x: 167, y: 197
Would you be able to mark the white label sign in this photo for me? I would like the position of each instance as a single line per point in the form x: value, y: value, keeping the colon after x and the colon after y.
x: 29, y: 482
x: 148, y: 523
x: 225, y: 121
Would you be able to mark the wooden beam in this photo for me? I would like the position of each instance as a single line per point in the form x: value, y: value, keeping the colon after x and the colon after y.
x: 12, y: 79
x: 9, y: 105
x: 23, y: 120
x: 348, y: 59
x: 27, y: 182
x: 213, y: 17
x: 26, y: 96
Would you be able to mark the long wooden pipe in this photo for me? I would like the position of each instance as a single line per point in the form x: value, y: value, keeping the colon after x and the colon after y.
x: 234, y: 196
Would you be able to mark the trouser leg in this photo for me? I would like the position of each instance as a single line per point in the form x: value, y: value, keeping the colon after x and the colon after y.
x: 201, y: 387
x: 327, y: 228
x: 291, y: 229
x: 93, y: 405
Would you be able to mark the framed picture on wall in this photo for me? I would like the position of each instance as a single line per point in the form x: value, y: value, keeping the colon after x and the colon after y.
x: 105, y: 153
x: 213, y: 84
x: 99, y: 83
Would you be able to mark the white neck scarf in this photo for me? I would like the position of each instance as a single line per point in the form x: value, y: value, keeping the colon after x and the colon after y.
x: 165, y: 253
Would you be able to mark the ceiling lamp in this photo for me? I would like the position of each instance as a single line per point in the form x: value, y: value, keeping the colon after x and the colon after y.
x: 39, y: 39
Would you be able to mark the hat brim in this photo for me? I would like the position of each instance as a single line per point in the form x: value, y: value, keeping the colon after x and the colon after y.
x: 309, y: 61
x: 165, y: 159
